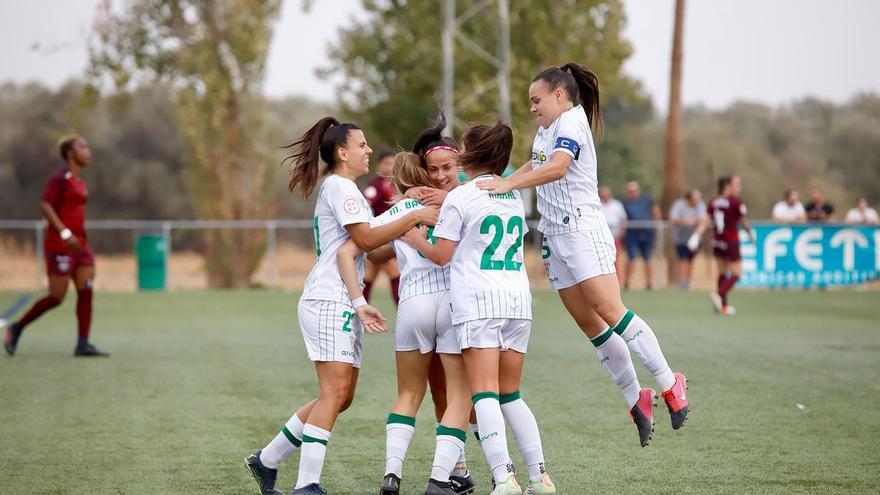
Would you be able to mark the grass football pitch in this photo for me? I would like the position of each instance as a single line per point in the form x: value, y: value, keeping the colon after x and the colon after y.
x: 785, y: 399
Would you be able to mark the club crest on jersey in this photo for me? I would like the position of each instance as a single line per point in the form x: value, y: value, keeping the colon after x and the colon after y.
x: 351, y: 206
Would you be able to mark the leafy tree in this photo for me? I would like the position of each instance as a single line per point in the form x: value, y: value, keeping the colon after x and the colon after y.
x: 213, y: 54
x: 390, y: 63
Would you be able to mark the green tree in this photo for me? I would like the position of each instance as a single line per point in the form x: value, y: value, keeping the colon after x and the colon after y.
x: 214, y: 54
x: 390, y: 63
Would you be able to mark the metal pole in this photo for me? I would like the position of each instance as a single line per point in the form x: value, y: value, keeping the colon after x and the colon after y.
x: 504, y: 60
x: 271, y: 228
x: 449, y: 65
x: 166, y: 235
x: 38, y: 247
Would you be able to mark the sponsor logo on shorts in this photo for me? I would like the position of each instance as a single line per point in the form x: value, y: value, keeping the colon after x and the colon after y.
x: 351, y: 206
x: 347, y: 353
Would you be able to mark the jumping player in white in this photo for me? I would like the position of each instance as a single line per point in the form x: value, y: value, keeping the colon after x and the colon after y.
x: 579, y: 250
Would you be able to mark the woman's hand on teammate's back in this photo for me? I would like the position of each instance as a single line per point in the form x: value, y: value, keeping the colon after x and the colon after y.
x: 495, y: 185
x: 431, y: 197
x: 428, y: 215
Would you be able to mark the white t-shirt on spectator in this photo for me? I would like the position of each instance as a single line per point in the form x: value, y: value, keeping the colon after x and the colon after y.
x: 785, y: 213
x: 856, y: 216
x: 615, y: 216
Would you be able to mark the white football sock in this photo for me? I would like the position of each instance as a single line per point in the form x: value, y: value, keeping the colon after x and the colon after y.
x: 525, y: 431
x: 614, y: 356
x: 284, y: 443
x: 643, y: 342
x: 398, y: 433
x: 311, y: 459
x: 450, y: 444
x: 493, y: 437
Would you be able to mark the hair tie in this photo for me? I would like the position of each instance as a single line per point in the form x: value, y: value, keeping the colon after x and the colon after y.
x: 443, y: 147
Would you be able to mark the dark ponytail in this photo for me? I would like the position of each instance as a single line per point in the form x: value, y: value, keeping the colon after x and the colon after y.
x: 321, y: 141
x: 432, y: 137
x: 582, y: 86
x: 487, y: 147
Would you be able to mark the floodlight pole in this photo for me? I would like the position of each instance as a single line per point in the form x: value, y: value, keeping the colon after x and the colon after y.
x: 449, y: 65
x: 501, y: 60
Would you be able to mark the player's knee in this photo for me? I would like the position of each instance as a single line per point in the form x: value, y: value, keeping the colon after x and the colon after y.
x: 410, y: 398
x: 54, y: 300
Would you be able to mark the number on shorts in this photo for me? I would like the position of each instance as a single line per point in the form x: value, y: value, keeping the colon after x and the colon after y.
x: 346, y: 327
x: 494, y: 221
x: 545, y: 249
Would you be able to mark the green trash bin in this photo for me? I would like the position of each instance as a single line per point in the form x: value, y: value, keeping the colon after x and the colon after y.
x: 151, y: 253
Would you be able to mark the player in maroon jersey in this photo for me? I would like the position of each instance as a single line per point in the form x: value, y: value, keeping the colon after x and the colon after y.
x: 725, y: 213
x: 379, y: 193
x: 66, y: 251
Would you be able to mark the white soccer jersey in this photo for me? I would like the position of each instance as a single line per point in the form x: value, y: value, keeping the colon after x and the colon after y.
x: 488, y: 277
x: 340, y: 203
x: 418, y: 275
x: 571, y: 203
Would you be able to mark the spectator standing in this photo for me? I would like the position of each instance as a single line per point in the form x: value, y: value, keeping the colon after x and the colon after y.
x: 685, y: 214
x: 615, y: 216
x: 639, y: 241
x: 862, y: 214
x: 819, y: 210
x: 789, y: 210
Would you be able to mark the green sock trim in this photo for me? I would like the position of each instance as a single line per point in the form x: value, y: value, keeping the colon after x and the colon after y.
x: 295, y: 441
x: 477, y: 436
x: 452, y: 432
x: 484, y: 395
x: 308, y: 439
x: 624, y: 322
x: 602, y: 337
x: 400, y: 418
x: 505, y: 398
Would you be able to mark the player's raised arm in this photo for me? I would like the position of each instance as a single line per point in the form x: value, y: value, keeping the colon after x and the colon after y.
x: 368, y: 238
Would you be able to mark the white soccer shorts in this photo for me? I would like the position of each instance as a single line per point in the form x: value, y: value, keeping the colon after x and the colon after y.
x: 488, y: 333
x: 331, y: 330
x: 574, y: 257
x: 424, y: 322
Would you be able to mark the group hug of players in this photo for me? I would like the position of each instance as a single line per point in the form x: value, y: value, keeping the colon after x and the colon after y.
x: 464, y: 316
x: 464, y: 301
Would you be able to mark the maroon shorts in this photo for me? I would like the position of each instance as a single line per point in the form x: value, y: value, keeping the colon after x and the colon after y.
x: 67, y: 262
x: 726, y: 249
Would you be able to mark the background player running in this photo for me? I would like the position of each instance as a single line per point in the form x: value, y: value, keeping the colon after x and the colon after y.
x: 726, y: 212
x: 66, y: 250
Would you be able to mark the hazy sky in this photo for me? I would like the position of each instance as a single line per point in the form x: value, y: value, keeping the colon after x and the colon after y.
x: 771, y: 51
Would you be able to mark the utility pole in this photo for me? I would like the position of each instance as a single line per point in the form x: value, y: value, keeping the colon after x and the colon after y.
x: 500, y: 60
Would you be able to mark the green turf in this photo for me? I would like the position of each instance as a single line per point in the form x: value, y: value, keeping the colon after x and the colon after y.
x: 199, y: 380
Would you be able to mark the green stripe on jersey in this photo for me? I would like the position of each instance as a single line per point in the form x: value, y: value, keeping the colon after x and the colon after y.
x: 624, y: 322
x: 308, y: 439
x: 295, y: 441
x: 484, y: 395
x: 399, y: 418
x: 451, y: 432
x: 505, y: 398
x: 602, y: 337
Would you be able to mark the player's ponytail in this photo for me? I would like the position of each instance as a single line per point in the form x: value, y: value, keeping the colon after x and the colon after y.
x: 409, y: 173
x: 432, y: 138
x: 487, y: 147
x: 319, y: 142
x: 588, y: 93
